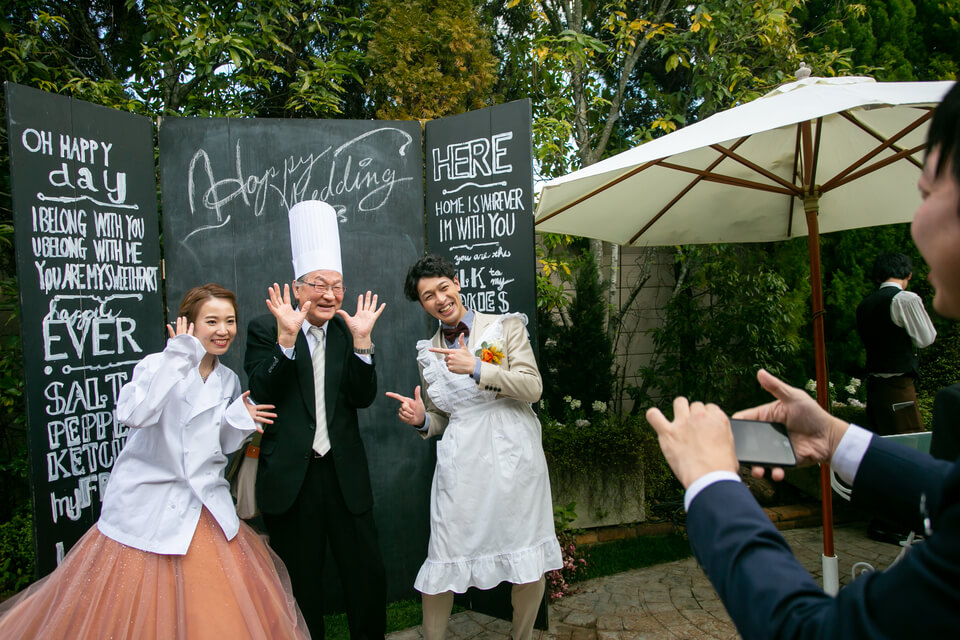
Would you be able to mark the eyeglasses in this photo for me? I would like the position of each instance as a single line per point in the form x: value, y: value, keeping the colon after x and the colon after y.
x: 324, y: 288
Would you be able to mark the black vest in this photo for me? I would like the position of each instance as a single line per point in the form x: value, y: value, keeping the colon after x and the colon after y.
x: 889, y: 347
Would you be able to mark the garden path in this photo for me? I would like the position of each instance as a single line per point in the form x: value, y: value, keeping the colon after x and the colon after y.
x: 664, y: 602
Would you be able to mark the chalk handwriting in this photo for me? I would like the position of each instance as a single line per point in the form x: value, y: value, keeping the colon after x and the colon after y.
x: 324, y: 175
x: 69, y: 329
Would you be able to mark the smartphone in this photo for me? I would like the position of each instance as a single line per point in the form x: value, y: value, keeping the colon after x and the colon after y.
x: 763, y: 443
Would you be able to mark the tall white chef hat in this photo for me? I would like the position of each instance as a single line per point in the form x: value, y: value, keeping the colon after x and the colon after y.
x: 314, y: 238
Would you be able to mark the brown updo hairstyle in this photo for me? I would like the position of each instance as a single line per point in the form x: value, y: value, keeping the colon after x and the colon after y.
x: 195, y: 298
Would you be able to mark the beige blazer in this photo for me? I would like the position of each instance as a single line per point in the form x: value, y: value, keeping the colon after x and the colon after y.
x: 515, y: 377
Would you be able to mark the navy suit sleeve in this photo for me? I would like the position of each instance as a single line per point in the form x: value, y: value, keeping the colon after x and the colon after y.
x: 891, y: 479
x: 770, y: 595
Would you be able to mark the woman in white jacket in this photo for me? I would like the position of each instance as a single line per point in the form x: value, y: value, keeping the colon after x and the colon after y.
x: 169, y: 558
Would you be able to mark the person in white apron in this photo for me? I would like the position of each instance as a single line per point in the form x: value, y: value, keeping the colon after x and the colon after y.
x: 491, y: 517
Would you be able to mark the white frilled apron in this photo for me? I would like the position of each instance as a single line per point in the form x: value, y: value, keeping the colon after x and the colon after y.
x: 491, y: 516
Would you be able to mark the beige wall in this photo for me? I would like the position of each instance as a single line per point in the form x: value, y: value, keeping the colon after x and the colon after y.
x: 634, y: 346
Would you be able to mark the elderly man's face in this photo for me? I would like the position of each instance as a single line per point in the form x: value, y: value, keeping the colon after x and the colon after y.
x: 936, y: 230
x: 324, y: 290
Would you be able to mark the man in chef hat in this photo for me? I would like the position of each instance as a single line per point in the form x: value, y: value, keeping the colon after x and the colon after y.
x: 315, y: 362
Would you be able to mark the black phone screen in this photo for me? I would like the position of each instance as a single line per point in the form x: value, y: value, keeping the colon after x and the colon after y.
x: 759, y: 442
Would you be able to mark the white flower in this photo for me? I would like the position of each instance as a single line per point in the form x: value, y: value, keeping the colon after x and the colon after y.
x: 575, y: 404
x: 851, y: 389
x: 599, y: 405
x: 583, y: 423
x: 855, y: 383
x: 837, y: 403
x: 811, y: 386
x: 831, y: 385
x: 567, y: 399
x: 856, y: 403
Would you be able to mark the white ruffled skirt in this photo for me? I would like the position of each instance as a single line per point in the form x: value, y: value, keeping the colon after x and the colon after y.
x: 491, y: 515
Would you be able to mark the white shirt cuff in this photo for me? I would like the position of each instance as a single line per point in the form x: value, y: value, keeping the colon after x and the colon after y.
x: 705, y: 481
x: 290, y: 352
x: 849, y: 454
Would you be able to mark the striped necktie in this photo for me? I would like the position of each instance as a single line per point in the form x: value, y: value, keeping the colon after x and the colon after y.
x: 321, y: 439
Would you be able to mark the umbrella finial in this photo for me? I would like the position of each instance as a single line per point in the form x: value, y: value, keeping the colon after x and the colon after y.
x: 803, y: 72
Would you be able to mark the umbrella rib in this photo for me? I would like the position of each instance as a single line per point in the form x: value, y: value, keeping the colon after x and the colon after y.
x: 885, y: 144
x: 599, y: 189
x: 683, y: 192
x: 816, y: 152
x: 796, y: 164
x: 753, y: 165
x: 737, y: 182
x: 903, y: 153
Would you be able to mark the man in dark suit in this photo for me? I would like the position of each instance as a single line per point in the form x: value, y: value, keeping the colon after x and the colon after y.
x: 766, y: 591
x: 313, y: 484
x: 893, y: 324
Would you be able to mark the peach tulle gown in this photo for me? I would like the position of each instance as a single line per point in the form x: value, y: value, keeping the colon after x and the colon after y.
x: 104, y: 589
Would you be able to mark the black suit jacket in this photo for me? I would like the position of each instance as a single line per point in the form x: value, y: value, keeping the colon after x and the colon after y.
x: 945, y: 442
x: 286, y: 445
x: 770, y: 595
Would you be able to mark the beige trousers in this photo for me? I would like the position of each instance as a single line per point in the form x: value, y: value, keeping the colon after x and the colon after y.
x: 524, y: 597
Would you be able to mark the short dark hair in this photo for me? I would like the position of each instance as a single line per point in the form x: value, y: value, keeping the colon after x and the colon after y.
x: 194, y: 299
x: 944, y: 132
x: 429, y: 266
x: 891, y: 265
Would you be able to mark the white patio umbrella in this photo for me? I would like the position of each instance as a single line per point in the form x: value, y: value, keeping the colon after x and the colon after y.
x: 818, y: 154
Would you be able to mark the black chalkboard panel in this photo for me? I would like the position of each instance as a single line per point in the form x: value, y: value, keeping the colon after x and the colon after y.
x: 227, y: 185
x: 86, y: 233
x: 479, y: 187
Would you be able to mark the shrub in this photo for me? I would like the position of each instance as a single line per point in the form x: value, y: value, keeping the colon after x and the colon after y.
x: 574, y: 564
x: 16, y: 552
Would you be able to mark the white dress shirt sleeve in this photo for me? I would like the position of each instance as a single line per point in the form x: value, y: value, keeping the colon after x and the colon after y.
x: 705, y: 481
x: 906, y: 310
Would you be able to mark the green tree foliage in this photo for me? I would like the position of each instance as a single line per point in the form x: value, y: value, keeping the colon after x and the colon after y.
x: 428, y: 59
x: 731, y: 314
x: 577, y: 354
x: 605, y: 76
x: 891, y: 39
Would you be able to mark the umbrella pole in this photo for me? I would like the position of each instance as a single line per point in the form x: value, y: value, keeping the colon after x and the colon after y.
x: 811, y: 208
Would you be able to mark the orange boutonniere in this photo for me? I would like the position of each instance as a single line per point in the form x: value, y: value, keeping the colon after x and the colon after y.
x: 490, y: 352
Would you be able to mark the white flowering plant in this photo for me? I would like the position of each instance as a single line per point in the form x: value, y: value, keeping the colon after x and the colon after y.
x: 849, y: 393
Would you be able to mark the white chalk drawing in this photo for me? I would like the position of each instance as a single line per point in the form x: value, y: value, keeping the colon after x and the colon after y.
x: 490, y: 185
x: 472, y: 247
x: 95, y: 367
x: 68, y: 199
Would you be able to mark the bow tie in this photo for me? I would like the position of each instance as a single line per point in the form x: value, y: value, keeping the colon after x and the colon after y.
x: 452, y: 333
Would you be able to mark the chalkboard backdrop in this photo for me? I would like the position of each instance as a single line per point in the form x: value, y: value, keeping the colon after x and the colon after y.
x: 86, y: 234
x: 227, y: 185
x: 88, y: 259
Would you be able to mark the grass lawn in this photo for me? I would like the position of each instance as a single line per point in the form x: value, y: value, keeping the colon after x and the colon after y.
x: 603, y: 559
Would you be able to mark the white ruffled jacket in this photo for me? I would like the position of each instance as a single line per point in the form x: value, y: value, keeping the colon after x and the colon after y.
x: 173, y: 461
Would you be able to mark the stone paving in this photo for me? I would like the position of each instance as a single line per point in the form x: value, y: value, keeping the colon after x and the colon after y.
x: 665, y: 602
